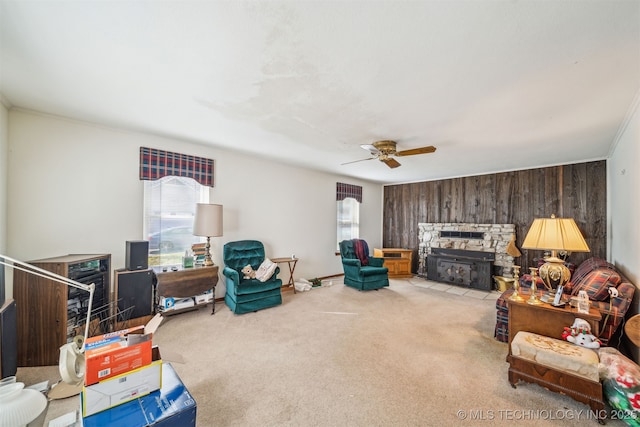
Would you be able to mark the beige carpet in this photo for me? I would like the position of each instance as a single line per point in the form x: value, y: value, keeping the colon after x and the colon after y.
x: 402, y: 356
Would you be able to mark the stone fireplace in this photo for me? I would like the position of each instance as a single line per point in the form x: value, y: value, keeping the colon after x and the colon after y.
x: 464, y: 241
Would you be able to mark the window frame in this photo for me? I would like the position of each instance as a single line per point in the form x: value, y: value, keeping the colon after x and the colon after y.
x: 352, y: 222
x: 175, y: 217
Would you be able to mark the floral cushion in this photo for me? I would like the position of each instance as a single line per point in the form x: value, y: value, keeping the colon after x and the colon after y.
x: 556, y: 354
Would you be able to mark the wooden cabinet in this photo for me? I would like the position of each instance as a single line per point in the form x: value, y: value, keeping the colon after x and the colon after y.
x: 398, y: 261
x: 50, y: 313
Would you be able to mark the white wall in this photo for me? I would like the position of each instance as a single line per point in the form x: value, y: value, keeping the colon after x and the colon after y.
x: 74, y: 188
x: 624, y: 198
x: 623, y: 179
x: 4, y: 152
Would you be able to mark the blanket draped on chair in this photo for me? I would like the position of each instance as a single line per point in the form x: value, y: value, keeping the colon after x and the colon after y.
x: 362, y: 251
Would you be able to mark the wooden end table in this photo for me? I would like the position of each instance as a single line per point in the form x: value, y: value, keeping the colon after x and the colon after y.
x: 291, y: 262
x: 547, y: 320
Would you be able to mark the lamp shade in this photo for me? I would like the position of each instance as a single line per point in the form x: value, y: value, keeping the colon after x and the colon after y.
x: 208, y: 220
x: 558, y: 234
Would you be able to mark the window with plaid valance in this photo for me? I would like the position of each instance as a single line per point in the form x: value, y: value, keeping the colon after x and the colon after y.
x: 156, y: 164
x: 348, y: 190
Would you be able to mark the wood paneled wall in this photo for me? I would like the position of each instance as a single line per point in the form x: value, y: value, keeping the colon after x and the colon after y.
x: 578, y: 191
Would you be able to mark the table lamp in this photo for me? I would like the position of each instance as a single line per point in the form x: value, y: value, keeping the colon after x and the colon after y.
x: 207, y: 223
x: 554, y: 234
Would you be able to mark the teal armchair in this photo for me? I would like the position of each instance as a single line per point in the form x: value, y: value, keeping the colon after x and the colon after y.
x: 246, y: 295
x: 372, y: 275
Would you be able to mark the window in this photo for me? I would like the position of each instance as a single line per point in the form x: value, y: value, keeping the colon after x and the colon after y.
x: 349, y: 197
x: 169, y: 208
x: 348, y: 220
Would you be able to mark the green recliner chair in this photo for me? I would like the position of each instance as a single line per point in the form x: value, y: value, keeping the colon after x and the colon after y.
x: 362, y: 271
x: 246, y: 295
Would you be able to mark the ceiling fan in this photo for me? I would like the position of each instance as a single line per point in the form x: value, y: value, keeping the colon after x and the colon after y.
x: 385, y: 151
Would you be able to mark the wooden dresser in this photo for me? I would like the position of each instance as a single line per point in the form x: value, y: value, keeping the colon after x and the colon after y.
x: 398, y: 261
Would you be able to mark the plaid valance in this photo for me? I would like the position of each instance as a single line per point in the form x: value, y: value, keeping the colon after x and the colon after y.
x: 156, y: 164
x: 347, y: 190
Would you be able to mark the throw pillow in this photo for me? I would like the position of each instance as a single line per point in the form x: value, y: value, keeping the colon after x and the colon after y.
x: 588, y: 266
x: 266, y: 270
x: 597, y: 284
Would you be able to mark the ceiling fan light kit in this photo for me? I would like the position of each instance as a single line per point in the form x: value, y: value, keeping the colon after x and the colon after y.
x: 385, y: 150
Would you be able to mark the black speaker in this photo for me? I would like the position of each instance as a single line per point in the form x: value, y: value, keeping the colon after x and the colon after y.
x: 137, y: 255
x: 134, y: 293
x: 8, y: 339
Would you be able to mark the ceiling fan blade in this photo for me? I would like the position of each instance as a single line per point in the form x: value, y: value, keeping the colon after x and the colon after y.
x: 414, y: 151
x: 370, y: 148
x: 356, y: 161
x: 392, y: 163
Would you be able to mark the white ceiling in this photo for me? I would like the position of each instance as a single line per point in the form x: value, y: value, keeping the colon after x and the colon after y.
x: 494, y: 85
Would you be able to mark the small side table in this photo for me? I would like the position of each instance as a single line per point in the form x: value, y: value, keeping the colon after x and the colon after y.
x: 291, y: 262
x: 632, y: 329
x: 188, y: 282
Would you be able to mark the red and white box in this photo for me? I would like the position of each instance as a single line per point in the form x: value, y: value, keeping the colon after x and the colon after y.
x: 118, y: 352
x: 123, y: 388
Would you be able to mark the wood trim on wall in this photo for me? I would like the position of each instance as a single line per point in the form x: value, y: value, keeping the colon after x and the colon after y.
x: 577, y: 191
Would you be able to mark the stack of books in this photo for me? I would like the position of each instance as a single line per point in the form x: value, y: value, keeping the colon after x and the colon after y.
x: 198, y: 252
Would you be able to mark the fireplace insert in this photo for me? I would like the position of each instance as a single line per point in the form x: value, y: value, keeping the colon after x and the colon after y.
x: 461, y: 267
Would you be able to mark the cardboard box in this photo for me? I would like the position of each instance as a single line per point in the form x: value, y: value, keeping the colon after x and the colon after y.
x: 123, y: 388
x: 183, y: 303
x: 167, y: 303
x: 116, y: 353
x: 171, y: 406
x: 203, y: 298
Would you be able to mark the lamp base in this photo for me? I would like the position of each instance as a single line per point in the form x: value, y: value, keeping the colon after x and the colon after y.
x: 554, y: 273
x: 208, y: 262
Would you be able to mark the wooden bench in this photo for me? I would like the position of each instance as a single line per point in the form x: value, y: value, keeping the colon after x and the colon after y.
x: 547, y: 322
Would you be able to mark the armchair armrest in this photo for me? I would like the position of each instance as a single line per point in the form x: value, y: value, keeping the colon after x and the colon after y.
x: 376, y: 262
x: 231, y: 274
x: 619, y: 305
x: 351, y: 267
x: 275, y: 274
x: 351, y: 262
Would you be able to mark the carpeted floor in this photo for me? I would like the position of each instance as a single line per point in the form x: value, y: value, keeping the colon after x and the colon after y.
x: 413, y: 354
